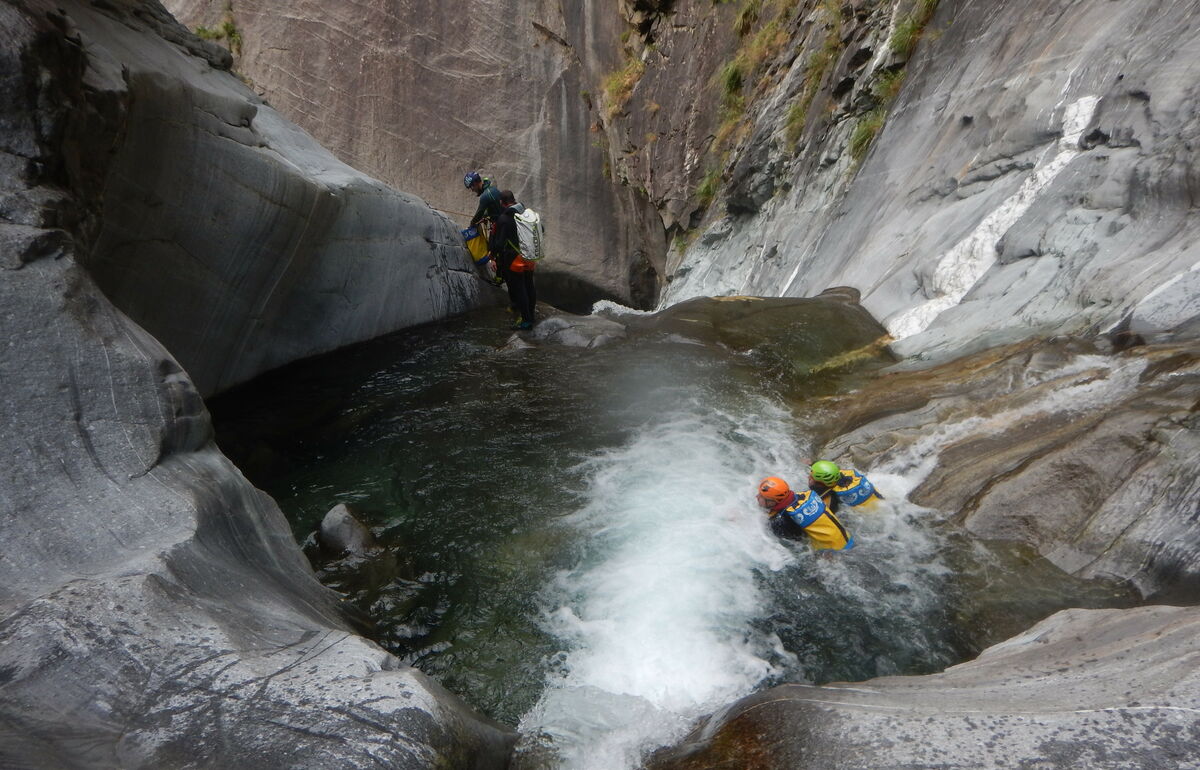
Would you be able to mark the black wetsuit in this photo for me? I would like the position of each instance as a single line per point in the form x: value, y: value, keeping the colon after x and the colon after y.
x: 827, y: 494
x: 505, y: 245
x: 489, y: 204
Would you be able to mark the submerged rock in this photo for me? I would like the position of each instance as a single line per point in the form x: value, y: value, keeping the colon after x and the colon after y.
x: 577, y: 331
x: 802, y: 342
x: 344, y: 535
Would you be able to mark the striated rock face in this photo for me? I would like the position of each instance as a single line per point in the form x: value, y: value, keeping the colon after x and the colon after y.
x: 1063, y: 694
x: 155, y: 609
x: 1033, y: 173
x: 418, y: 95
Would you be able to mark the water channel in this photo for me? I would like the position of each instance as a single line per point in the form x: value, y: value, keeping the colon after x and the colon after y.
x: 568, y: 538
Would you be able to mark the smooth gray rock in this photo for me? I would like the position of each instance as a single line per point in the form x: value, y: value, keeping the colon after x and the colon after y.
x: 419, y: 98
x: 228, y: 233
x: 155, y: 610
x: 1105, y: 689
x: 576, y: 331
x: 1088, y: 457
x: 1029, y: 179
x: 343, y: 534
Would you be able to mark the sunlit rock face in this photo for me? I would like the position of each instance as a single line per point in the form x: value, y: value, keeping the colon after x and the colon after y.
x: 1067, y: 693
x: 156, y: 611
x: 1034, y: 173
x: 417, y: 95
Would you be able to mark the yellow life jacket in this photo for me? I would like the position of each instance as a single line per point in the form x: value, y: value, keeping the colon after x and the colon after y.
x: 822, y: 527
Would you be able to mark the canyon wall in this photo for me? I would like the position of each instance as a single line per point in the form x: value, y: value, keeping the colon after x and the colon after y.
x: 156, y: 611
x: 417, y: 96
x: 165, y: 234
x: 1029, y: 170
x: 224, y: 230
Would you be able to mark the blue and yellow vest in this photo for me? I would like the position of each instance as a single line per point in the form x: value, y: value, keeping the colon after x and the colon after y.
x: 853, y: 488
x: 809, y: 511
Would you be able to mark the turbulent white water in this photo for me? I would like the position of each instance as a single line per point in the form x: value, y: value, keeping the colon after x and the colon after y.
x: 655, y: 616
x: 659, y: 615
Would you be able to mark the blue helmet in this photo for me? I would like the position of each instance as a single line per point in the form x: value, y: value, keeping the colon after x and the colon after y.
x: 471, y: 178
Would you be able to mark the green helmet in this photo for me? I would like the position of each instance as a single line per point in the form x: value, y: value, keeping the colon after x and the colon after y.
x: 826, y: 472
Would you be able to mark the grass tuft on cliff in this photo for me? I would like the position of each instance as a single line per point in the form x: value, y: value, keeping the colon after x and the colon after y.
x: 815, y: 69
x: 865, y: 132
x: 619, y: 85
x: 226, y: 31
x: 904, y: 40
x: 707, y: 189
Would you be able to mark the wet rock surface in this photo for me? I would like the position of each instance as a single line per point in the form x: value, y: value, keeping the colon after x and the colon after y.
x: 1015, y: 188
x: 1088, y: 455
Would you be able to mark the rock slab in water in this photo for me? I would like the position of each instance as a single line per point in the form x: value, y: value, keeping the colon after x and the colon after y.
x: 1087, y: 456
x: 1098, y: 689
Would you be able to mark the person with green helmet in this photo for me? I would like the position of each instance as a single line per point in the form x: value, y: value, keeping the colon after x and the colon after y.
x: 850, y: 486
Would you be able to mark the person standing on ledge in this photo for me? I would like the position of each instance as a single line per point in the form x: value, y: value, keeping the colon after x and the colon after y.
x: 851, y: 487
x: 485, y: 218
x: 517, y: 272
x: 795, y: 515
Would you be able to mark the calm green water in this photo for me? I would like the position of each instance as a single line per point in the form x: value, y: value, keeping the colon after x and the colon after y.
x: 568, y: 535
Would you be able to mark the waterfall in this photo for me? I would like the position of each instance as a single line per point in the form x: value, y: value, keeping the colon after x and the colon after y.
x: 655, y: 614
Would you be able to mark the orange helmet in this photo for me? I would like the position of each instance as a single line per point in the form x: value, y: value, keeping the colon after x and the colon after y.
x: 773, y: 492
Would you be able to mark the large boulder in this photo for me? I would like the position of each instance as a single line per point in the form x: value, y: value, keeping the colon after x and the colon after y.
x: 156, y: 610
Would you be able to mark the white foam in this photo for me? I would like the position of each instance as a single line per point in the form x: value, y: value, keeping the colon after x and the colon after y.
x: 657, y: 613
x: 615, y: 308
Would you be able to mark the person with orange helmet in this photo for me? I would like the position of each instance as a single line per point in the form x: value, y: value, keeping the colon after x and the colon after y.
x: 802, y: 514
